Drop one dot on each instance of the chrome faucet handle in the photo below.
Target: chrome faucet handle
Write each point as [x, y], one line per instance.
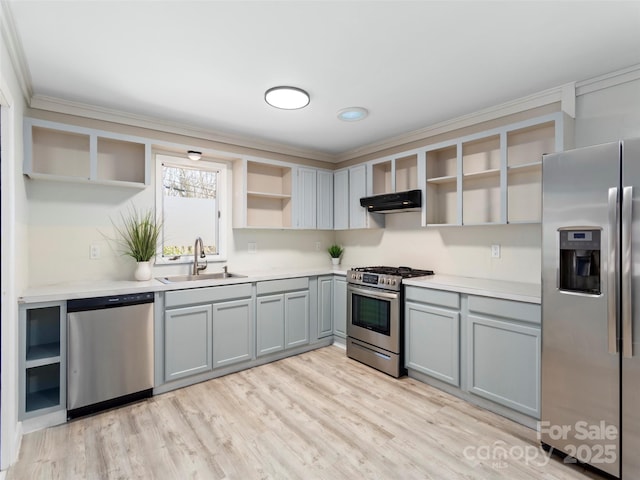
[224, 268]
[202, 267]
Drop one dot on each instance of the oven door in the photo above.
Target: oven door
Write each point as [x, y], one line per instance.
[373, 316]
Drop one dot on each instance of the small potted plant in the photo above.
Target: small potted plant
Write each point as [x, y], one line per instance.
[335, 252]
[139, 235]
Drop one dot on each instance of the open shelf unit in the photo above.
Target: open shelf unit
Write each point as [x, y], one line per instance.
[395, 174]
[42, 359]
[492, 177]
[442, 185]
[55, 151]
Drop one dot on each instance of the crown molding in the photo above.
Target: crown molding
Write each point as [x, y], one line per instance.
[535, 100]
[85, 110]
[14, 48]
[608, 80]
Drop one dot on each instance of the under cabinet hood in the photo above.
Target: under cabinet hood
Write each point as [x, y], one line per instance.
[409, 201]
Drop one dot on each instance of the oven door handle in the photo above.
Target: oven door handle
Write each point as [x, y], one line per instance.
[374, 294]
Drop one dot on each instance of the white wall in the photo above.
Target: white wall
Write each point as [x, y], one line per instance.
[14, 253]
[608, 114]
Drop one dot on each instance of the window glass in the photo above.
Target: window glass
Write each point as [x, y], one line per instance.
[191, 199]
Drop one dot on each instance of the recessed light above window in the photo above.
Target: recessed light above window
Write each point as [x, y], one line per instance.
[287, 98]
[352, 114]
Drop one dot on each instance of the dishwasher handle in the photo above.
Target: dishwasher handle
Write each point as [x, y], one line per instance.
[100, 303]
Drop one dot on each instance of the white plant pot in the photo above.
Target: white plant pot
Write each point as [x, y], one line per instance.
[335, 261]
[143, 271]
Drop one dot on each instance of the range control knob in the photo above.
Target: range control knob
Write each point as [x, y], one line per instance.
[393, 282]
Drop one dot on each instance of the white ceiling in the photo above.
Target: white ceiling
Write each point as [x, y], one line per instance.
[207, 64]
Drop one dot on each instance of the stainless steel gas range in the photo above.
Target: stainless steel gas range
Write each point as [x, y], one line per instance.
[375, 316]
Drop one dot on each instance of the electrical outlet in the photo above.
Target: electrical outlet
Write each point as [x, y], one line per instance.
[317, 246]
[94, 252]
[252, 247]
[495, 251]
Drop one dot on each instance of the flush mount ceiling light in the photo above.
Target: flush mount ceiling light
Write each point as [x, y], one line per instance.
[287, 98]
[193, 155]
[352, 114]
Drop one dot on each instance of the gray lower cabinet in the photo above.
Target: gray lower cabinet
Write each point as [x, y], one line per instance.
[188, 341]
[270, 324]
[340, 306]
[232, 332]
[504, 352]
[325, 306]
[296, 318]
[282, 314]
[432, 333]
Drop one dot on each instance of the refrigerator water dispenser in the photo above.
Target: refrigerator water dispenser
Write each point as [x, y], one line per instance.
[580, 261]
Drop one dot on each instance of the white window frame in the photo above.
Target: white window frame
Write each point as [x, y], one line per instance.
[224, 205]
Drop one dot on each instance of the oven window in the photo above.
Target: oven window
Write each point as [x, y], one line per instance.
[371, 313]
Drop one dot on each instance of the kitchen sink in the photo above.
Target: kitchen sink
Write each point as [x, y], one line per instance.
[202, 276]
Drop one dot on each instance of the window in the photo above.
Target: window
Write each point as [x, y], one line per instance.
[191, 197]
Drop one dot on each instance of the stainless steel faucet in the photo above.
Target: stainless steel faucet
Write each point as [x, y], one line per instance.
[198, 252]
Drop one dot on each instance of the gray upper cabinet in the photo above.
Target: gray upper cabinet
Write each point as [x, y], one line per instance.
[325, 200]
[357, 190]
[433, 333]
[306, 200]
[341, 200]
[232, 332]
[188, 341]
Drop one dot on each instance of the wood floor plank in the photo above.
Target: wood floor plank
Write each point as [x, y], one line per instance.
[315, 416]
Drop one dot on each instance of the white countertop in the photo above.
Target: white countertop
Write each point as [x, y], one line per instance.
[522, 292]
[518, 291]
[88, 288]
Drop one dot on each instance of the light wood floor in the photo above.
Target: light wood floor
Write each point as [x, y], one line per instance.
[318, 415]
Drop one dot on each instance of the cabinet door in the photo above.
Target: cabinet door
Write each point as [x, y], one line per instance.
[187, 341]
[296, 318]
[357, 190]
[340, 307]
[232, 332]
[325, 200]
[341, 200]
[432, 342]
[306, 208]
[504, 363]
[325, 306]
[270, 324]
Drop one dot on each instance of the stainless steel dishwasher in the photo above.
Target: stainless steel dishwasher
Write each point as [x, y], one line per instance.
[109, 352]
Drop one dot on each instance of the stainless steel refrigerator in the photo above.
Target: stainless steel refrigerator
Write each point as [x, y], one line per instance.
[591, 306]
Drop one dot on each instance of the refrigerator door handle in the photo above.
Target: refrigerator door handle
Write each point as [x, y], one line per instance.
[612, 337]
[627, 315]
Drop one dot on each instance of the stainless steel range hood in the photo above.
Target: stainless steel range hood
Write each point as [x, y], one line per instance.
[409, 201]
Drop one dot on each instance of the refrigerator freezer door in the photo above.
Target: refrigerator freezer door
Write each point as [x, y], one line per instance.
[631, 364]
[580, 377]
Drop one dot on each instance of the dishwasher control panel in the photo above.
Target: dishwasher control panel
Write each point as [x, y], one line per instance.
[81, 304]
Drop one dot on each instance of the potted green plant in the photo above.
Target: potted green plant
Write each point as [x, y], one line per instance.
[335, 252]
[139, 235]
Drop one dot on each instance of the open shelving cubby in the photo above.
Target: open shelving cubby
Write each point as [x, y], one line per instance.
[55, 151]
[407, 173]
[268, 195]
[381, 177]
[525, 147]
[42, 372]
[442, 186]
[481, 181]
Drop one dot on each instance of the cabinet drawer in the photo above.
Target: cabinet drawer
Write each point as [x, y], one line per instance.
[433, 297]
[285, 285]
[495, 307]
[206, 295]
